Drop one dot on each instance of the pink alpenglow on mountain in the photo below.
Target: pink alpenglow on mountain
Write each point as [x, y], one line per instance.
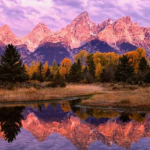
[118, 36]
[33, 39]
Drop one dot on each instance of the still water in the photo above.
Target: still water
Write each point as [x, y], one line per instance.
[66, 125]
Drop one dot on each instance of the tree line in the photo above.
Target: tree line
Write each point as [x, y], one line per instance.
[132, 67]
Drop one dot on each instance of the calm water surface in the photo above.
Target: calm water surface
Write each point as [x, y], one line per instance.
[68, 126]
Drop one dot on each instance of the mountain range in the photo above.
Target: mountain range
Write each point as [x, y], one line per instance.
[42, 44]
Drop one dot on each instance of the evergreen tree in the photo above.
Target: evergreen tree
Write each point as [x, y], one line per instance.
[48, 75]
[108, 73]
[76, 72]
[54, 69]
[11, 67]
[34, 76]
[40, 73]
[11, 122]
[124, 70]
[143, 65]
[58, 75]
[142, 70]
[91, 65]
[147, 77]
[87, 76]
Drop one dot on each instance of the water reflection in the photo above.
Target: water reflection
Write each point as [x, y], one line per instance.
[10, 122]
[81, 126]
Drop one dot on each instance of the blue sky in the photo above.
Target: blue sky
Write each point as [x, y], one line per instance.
[22, 15]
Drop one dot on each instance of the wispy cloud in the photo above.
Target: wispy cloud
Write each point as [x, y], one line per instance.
[23, 15]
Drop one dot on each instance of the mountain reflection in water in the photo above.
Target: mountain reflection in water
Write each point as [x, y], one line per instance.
[64, 125]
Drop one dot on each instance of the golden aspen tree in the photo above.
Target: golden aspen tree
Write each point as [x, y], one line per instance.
[99, 70]
[100, 58]
[65, 106]
[112, 58]
[54, 69]
[36, 66]
[135, 57]
[45, 67]
[63, 72]
[26, 68]
[66, 62]
[31, 68]
[82, 55]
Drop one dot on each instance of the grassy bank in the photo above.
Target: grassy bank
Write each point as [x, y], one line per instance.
[32, 94]
[121, 96]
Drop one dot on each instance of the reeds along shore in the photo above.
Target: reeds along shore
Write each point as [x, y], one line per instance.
[121, 96]
[33, 94]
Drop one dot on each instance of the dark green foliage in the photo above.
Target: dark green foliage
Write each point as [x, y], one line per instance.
[147, 77]
[87, 76]
[10, 120]
[57, 83]
[143, 65]
[91, 65]
[11, 67]
[34, 76]
[25, 75]
[40, 73]
[76, 72]
[124, 117]
[142, 70]
[108, 74]
[57, 75]
[124, 70]
[48, 75]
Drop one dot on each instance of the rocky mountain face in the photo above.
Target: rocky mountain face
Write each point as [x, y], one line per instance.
[117, 36]
[48, 52]
[124, 31]
[33, 39]
[8, 37]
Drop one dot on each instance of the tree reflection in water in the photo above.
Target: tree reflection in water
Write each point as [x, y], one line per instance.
[10, 122]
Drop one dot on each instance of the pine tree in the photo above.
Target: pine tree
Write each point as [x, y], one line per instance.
[48, 75]
[34, 76]
[124, 70]
[143, 65]
[11, 67]
[58, 75]
[54, 69]
[40, 73]
[143, 69]
[91, 65]
[76, 72]
[147, 77]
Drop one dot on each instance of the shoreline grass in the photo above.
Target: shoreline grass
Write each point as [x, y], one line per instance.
[32, 94]
[127, 96]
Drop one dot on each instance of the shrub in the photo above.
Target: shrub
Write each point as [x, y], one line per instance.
[147, 78]
[57, 83]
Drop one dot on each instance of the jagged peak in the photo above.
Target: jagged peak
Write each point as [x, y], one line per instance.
[5, 27]
[41, 24]
[83, 15]
[108, 21]
[126, 19]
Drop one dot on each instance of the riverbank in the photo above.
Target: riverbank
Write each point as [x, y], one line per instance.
[123, 96]
[32, 94]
